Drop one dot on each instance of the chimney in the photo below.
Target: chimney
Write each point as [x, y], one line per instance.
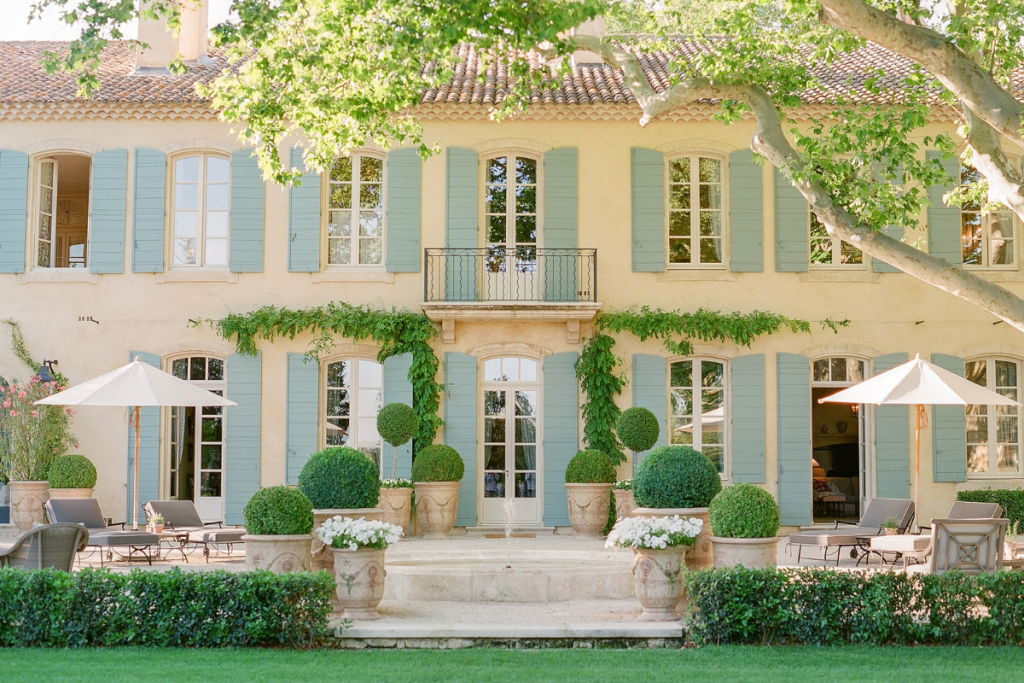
[164, 46]
[593, 27]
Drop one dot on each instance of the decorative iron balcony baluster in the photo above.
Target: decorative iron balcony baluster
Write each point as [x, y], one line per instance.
[510, 275]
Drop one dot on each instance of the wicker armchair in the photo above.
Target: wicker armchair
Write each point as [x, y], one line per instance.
[50, 545]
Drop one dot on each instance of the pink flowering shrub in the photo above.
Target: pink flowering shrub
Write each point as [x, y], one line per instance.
[31, 436]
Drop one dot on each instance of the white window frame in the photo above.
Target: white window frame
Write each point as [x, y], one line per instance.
[357, 412]
[696, 387]
[354, 209]
[201, 228]
[986, 231]
[35, 213]
[695, 183]
[510, 204]
[836, 250]
[992, 424]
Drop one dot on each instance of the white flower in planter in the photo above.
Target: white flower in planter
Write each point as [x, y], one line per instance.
[352, 534]
[654, 533]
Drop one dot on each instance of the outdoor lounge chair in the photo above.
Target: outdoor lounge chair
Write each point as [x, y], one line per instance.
[973, 546]
[879, 510]
[46, 546]
[963, 509]
[87, 512]
[181, 516]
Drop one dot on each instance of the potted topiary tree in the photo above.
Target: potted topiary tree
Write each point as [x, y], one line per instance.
[278, 521]
[437, 471]
[744, 521]
[397, 424]
[638, 431]
[358, 547]
[677, 480]
[71, 476]
[588, 483]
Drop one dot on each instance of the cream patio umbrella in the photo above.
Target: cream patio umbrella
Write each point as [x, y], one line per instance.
[918, 383]
[134, 386]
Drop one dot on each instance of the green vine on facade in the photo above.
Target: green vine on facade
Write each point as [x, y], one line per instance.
[394, 331]
[21, 351]
[596, 366]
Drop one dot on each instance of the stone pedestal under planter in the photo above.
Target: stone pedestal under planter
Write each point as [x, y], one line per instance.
[70, 493]
[359, 575]
[396, 508]
[279, 554]
[700, 556]
[27, 501]
[436, 505]
[588, 508]
[658, 581]
[623, 503]
[324, 559]
[747, 552]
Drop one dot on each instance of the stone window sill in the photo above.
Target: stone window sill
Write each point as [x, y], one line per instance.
[997, 275]
[70, 275]
[353, 275]
[696, 274]
[197, 275]
[837, 275]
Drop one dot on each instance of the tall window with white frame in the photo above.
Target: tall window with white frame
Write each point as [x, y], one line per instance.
[993, 432]
[695, 211]
[510, 206]
[698, 407]
[831, 251]
[200, 224]
[986, 237]
[353, 397]
[61, 223]
[355, 218]
[197, 439]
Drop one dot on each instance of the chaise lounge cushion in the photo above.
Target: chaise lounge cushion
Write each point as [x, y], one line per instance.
[122, 538]
[87, 512]
[216, 536]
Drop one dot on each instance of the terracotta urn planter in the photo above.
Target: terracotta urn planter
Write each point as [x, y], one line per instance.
[436, 504]
[279, 554]
[396, 508]
[321, 557]
[700, 556]
[359, 575]
[658, 581]
[70, 493]
[588, 508]
[623, 503]
[27, 501]
[745, 552]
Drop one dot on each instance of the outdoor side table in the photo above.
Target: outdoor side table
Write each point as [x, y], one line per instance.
[175, 541]
[901, 544]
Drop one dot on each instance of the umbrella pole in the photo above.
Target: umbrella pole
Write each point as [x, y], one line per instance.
[920, 423]
[135, 478]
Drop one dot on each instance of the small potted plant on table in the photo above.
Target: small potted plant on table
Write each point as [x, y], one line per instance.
[890, 526]
[358, 547]
[437, 472]
[156, 522]
[71, 476]
[588, 483]
[744, 521]
[397, 424]
[277, 524]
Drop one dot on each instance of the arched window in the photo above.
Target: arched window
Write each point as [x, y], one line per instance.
[698, 410]
[199, 227]
[355, 211]
[353, 395]
[695, 218]
[511, 411]
[838, 369]
[993, 432]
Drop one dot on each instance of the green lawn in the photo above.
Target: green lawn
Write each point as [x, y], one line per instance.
[708, 665]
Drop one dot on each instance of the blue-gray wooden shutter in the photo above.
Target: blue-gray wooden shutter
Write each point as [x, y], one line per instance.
[398, 389]
[648, 195]
[879, 266]
[944, 238]
[13, 210]
[108, 212]
[747, 416]
[461, 225]
[248, 201]
[149, 448]
[242, 438]
[302, 433]
[650, 389]
[793, 386]
[403, 211]
[561, 432]
[304, 220]
[561, 202]
[792, 229]
[949, 431]
[746, 217]
[892, 440]
[149, 213]
[460, 427]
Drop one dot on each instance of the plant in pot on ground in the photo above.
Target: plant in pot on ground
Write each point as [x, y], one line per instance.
[71, 476]
[358, 547]
[397, 423]
[678, 480]
[278, 521]
[744, 521]
[588, 482]
[622, 491]
[437, 471]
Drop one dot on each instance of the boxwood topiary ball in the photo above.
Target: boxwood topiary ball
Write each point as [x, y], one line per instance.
[590, 467]
[637, 429]
[72, 472]
[340, 477]
[438, 463]
[278, 511]
[675, 477]
[744, 511]
[397, 423]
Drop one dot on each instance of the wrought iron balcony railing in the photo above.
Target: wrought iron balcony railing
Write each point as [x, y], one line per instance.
[510, 274]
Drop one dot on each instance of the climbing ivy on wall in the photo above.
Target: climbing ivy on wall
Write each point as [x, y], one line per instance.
[394, 331]
[596, 366]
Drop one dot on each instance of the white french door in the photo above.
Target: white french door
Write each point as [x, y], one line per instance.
[510, 262]
[197, 440]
